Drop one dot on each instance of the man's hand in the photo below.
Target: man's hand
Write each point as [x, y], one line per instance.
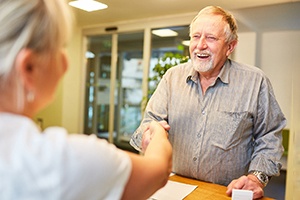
[249, 182]
[147, 135]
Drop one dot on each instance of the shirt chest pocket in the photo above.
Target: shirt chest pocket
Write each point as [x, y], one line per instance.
[227, 129]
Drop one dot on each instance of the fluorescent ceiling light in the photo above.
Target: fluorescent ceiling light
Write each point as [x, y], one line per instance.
[88, 5]
[89, 54]
[186, 42]
[164, 33]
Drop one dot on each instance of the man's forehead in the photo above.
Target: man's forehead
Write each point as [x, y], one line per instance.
[208, 22]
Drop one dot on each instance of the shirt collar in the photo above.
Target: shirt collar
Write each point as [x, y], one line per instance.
[192, 75]
[223, 75]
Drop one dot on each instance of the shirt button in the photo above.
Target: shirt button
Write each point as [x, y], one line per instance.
[203, 112]
[195, 158]
[199, 135]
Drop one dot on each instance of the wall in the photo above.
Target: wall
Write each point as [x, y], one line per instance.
[52, 114]
[293, 186]
[73, 86]
[245, 51]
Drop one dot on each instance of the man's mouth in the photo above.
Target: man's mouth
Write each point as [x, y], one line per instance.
[202, 55]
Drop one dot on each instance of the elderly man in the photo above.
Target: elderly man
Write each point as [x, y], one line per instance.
[225, 123]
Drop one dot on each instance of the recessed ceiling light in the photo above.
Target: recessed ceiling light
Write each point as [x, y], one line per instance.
[186, 42]
[164, 33]
[89, 54]
[88, 5]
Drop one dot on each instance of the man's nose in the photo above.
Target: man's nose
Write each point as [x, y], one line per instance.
[202, 43]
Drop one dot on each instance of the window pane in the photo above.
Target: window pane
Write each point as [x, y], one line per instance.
[171, 47]
[97, 101]
[130, 74]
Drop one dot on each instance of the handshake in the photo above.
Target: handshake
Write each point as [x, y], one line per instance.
[149, 131]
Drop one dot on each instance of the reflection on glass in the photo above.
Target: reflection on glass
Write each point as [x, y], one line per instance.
[130, 74]
[128, 91]
[97, 102]
[174, 44]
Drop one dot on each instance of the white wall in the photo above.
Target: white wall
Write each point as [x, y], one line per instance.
[245, 51]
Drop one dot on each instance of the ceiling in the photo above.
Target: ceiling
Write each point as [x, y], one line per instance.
[250, 14]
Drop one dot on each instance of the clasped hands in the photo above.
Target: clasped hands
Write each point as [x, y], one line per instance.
[249, 182]
[147, 134]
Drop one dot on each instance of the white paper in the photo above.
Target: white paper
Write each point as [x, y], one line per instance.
[242, 194]
[173, 191]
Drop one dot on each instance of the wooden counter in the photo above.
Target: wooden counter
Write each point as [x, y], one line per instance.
[205, 191]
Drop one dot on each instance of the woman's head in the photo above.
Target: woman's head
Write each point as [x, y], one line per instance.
[39, 26]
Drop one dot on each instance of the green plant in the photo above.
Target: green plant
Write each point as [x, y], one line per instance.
[166, 62]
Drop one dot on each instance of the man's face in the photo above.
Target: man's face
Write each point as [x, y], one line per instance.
[208, 47]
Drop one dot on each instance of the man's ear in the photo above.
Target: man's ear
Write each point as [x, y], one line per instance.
[24, 66]
[231, 47]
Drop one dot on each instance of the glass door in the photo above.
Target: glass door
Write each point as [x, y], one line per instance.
[129, 77]
[114, 114]
[98, 65]
[167, 51]
[117, 64]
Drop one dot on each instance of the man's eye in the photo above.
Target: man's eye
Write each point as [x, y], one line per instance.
[211, 38]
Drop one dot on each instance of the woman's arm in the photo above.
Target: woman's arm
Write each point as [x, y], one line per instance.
[151, 171]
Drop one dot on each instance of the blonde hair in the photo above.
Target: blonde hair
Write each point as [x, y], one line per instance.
[43, 26]
[231, 30]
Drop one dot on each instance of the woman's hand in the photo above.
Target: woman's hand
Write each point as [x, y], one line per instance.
[149, 131]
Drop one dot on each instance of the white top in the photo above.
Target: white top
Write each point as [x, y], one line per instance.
[56, 165]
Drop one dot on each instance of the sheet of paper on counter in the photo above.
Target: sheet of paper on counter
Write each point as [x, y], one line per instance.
[173, 191]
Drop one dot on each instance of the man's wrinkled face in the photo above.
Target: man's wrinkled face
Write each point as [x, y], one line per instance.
[208, 47]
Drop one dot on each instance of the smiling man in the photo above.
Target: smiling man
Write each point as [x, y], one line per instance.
[225, 123]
